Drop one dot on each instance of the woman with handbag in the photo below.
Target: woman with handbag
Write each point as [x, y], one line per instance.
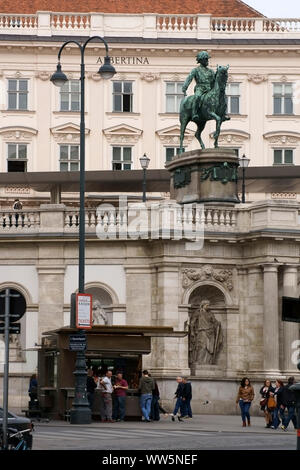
[267, 401]
[244, 399]
[279, 404]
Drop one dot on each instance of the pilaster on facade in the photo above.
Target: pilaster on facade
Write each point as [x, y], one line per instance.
[271, 318]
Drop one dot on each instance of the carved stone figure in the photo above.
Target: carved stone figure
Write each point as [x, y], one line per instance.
[205, 336]
[99, 314]
[208, 101]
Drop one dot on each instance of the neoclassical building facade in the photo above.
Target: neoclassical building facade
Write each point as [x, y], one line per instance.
[250, 256]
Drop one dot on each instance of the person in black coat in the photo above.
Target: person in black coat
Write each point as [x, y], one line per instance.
[187, 397]
[90, 387]
[179, 402]
[289, 402]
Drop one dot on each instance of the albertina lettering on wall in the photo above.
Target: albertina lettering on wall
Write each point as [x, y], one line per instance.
[125, 60]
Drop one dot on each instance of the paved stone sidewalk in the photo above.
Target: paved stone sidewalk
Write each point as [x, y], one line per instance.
[209, 423]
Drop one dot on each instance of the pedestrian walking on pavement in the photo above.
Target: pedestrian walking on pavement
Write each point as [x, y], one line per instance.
[279, 410]
[244, 398]
[154, 415]
[289, 402]
[146, 386]
[266, 391]
[90, 387]
[120, 388]
[107, 390]
[186, 398]
[179, 405]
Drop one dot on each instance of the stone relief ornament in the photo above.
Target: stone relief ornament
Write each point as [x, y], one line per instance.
[94, 76]
[149, 77]
[257, 78]
[43, 75]
[205, 336]
[223, 172]
[207, 272]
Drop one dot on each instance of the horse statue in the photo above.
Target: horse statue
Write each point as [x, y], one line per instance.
[213, 106]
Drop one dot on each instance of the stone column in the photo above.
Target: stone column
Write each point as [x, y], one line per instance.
[138, 295]
[170, 358]
[51, 298]
[242, 337]
[271, 319]
[290, 330]
[254, 321]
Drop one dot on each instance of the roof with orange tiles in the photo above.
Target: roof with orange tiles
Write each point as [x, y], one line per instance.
[217, 8]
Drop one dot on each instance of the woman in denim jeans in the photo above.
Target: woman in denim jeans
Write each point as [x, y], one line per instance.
[244, 399]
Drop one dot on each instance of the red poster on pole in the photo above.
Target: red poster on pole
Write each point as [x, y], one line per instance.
[84, 311]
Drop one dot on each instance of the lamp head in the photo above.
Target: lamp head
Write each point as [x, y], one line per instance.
[107, 70]
[144, 161]
[244, 162]
[58, 78]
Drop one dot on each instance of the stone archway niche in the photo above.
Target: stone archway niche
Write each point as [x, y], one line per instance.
[207, 330]
[102, 306]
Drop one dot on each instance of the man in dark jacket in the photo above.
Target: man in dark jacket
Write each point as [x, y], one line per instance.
[289, 401]
[186, 398]
[90, 387]
[146, 386]
[179, 403]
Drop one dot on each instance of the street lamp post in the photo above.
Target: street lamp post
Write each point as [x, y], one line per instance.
[144, 161]
[81, 413]
[244, 162]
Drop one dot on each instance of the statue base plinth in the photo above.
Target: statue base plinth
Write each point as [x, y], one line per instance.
[204, 176]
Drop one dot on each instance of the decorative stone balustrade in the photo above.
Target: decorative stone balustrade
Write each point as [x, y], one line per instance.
[67, 22]
[19, 221]
[147, 25]
[233, 25]
[164, 220]
[16, 24]
[176, 23]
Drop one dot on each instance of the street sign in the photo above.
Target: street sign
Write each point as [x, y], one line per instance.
[84, 311]
[14, 329]
[17, 305]
[77, 343]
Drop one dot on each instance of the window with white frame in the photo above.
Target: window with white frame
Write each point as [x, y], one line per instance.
[174, 95]
[122, 96]
[69, 157]
[17, 94]
[283, 98]
[70, 96]
[16, 157]
[171, 151]
[233, 98]
[283, 157]
[121, 158]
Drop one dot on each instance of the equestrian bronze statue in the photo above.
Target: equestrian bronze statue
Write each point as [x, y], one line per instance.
[208, 102]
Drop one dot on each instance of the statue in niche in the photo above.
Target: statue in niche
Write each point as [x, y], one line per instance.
[205, 336]
[15, 348]
[99, 314]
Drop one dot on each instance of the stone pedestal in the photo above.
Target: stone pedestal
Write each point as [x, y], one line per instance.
[205, 176]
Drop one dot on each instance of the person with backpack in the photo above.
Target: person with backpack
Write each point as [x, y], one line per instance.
[289, 402]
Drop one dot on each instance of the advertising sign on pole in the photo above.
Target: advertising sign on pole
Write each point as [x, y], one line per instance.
[84, 311]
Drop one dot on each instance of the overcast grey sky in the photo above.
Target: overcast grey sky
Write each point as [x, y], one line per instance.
[277, 8]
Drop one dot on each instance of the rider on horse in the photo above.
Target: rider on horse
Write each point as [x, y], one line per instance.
[205, 80]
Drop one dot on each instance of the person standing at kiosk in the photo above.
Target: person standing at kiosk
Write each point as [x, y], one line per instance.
[107, 390]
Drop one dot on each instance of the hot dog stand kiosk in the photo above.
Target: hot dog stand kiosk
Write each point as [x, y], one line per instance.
[118, 348]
